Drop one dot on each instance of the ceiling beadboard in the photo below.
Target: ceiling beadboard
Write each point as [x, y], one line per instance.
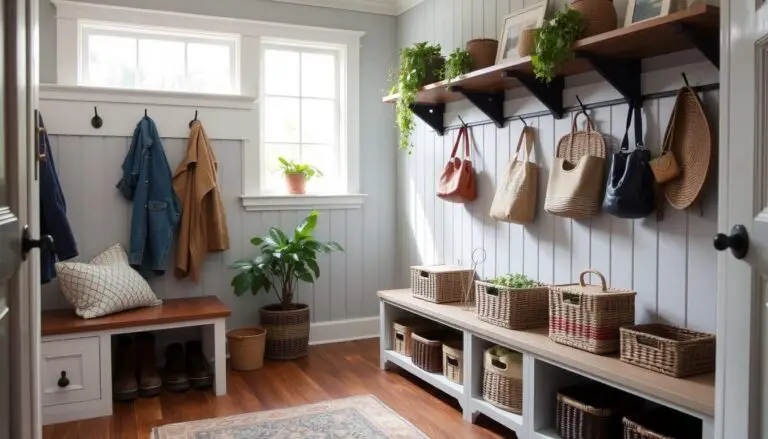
[387, 7]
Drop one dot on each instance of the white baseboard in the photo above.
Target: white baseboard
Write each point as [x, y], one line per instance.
[344, 330]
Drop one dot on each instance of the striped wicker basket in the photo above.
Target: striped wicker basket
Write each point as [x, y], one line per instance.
[512, 308]
[402, 330]
[503, 382]
[427, 351]
[667, 349]
[287, 331]
[661, 423]
[588, 317]
[441, 283]
[453, 359]
[592, 411]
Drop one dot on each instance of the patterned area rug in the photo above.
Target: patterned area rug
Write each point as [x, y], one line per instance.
[359, 417]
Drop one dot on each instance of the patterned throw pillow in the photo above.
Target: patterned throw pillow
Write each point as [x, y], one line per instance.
[105, 286]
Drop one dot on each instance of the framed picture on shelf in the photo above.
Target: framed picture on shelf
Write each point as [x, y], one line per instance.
[641, 10]
[515, 23]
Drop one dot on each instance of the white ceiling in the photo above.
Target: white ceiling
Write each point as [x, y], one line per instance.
[387, 7]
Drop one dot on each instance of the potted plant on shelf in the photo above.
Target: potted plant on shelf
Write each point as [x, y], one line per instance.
[553, 42]
[283, 263]
[297, 175]
[419, 65]
[458, 63]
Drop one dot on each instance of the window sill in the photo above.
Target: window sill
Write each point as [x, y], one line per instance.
[260, 203]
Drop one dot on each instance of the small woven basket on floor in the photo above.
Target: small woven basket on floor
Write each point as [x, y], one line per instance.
[453, 359]
[503, 382]
[512, 308]
[661, 423]
[588, 317]
[287, 331]
[427, 351]
[667, 349]
[592, 411]
[440, 283]
[402, 330]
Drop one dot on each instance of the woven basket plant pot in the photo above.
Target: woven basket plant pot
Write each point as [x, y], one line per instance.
[483, 52]
[599, 16]
[512, 308]
[287, 331]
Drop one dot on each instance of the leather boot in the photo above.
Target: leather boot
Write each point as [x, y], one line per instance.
[198, 369]
[150, 383]
[124, 385]
[175, 376]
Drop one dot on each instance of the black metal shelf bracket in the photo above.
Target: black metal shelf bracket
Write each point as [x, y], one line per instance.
[708, 45]
[623, 75]
[432, 115]
[551, 95]
[490, 103]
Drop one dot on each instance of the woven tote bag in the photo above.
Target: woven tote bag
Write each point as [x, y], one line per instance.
[578, 173]
[515, 199]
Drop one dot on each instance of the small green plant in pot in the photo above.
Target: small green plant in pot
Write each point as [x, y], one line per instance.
[297, 175]
[553, 42]
[419, 65]
[458, 63]
[283, 262]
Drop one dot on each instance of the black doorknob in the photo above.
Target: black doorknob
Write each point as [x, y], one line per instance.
[45, 243]
[737, 241]
[63, 381]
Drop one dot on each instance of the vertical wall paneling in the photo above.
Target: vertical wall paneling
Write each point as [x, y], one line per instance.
[502, 255]
[543, 152]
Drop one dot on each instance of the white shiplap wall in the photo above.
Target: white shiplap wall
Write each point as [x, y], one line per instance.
[89, 168]
[671, 263]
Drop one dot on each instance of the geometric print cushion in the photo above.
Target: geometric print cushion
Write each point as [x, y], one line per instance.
[108, 284]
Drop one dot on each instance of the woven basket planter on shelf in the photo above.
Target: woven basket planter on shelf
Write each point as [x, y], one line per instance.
[661, 423]
[667, 349]
[588, 317]
[427, 352]
[599, 16]
[287, 331]
[592, 411]
[453, 359]
[503, 381]
[441, 283]
[512, 308]
[483, 52]
[402, 330]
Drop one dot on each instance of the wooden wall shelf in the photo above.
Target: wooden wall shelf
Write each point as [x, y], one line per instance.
[695, 27]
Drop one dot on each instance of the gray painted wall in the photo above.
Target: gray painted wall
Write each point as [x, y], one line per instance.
[89, 168]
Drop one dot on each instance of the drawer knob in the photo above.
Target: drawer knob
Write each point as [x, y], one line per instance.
[63, 381]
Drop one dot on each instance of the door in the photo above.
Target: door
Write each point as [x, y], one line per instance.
[742, 317]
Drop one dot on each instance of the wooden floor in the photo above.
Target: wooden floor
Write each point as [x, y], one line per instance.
[331, 371]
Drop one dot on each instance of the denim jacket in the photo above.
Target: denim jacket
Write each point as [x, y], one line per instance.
[147, 181]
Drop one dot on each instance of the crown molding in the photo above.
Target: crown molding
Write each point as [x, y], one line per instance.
[385, 7]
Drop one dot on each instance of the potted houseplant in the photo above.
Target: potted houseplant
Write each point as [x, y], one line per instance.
[458, 63]
[297, 175]
[553, 42]
[283, 262]
[419, 65]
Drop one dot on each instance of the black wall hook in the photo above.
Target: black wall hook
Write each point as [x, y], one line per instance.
[464, 124]
[193, 120]
[96, 121]
[685, 79]
[523, 121]
[145, 112]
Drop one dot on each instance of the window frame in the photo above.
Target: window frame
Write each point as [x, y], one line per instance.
[338, 142]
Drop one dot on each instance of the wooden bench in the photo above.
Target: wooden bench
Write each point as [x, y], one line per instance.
[83, 350]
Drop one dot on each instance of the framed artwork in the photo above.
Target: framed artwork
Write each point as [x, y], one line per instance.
[514, 24]
[641, 10]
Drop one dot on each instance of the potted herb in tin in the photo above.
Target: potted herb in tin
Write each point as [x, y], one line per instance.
[297, 175]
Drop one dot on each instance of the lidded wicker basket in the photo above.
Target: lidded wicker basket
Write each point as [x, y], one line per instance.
[588, 317]
[441, 283]
[503, 379]
[512, 308]
[673, 351]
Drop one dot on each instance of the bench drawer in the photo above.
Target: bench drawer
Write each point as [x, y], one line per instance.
[79, 359]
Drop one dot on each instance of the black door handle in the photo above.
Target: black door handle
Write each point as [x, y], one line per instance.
[737, 241]
[45, 243]
[63, 381]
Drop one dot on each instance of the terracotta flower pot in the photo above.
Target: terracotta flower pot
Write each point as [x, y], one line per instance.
[527, 42]
[287, 331]
[599, 16]
[483, 52]
[296, 183]
[246, 348]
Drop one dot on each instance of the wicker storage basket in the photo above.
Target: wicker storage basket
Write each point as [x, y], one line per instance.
[441, 283]
[512, 308]
[672, 351]
[588, 317]
[402, 331]
[427, 350]
[661, 423]
[503, 381]
[287, 331]
[483, 52]
[453, 359]
[592, 411]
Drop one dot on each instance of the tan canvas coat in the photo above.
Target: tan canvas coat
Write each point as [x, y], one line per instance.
[203, 226]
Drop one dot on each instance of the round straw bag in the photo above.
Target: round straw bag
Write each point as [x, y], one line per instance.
[691, 143]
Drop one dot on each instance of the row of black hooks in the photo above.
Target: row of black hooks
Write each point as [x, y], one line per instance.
[97, 122]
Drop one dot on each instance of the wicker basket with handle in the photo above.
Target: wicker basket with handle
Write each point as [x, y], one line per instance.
[512, 308]
[661, 423]
[588, 317]
[592, 411]
[453, 359]
[427, 350]
[402, 331]
[503, 380]
[440, 283]
[673, 351]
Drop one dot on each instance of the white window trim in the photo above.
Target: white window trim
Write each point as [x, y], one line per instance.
[251, 34]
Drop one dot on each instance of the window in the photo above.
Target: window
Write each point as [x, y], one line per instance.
[301, 115]
[155, 59]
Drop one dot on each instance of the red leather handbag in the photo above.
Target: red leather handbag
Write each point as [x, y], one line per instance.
[458, 183]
